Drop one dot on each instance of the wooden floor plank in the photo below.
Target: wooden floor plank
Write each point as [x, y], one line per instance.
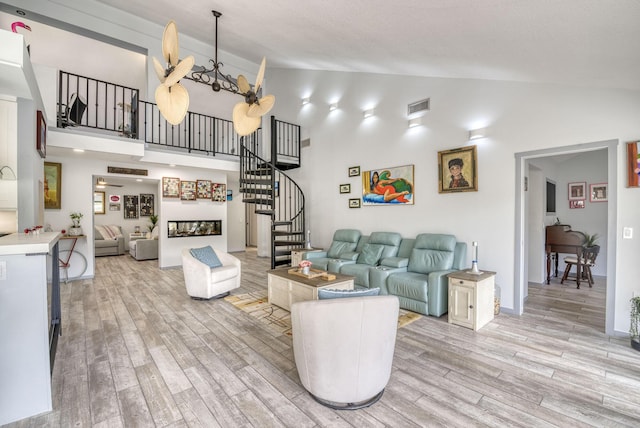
[136, 350]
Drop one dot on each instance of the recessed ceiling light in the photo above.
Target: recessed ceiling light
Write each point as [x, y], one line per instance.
[78, 150]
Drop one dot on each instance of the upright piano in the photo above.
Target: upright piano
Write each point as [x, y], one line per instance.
[561, 239]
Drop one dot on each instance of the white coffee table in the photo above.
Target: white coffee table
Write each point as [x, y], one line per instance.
[285, 289]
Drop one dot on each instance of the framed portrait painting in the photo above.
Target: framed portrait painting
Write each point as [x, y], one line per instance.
[458, 170]
[388, 186]
[52, 185]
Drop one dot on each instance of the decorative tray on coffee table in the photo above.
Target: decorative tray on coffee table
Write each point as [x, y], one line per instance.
[313, 273]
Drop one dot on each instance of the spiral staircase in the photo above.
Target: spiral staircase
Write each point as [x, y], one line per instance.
[266, 186]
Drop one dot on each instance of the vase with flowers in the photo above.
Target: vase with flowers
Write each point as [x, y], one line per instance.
[304, 267]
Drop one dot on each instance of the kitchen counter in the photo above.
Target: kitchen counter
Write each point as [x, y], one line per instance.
[29, 323]
[22, 243]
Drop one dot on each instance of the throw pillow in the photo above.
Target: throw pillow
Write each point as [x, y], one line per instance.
[207, 256]
[370, 254]
[324, 293]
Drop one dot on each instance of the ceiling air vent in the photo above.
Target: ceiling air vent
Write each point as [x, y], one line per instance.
[419, 106]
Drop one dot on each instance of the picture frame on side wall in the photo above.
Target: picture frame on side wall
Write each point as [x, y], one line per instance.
[354, 203]
[388, 186]
[146, 204]
[598, 192]
[633, 164]
[41, 134]
[576, 204]
[345, 188]
[52, 185]
[218, 192]
[130, 207]
[354, 171]
[204, 189]
[577, 191]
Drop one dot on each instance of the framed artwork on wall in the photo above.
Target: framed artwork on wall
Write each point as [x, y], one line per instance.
[218, 192]
[204, 189]
[52, 185]
[633, 164]
[576, 204]
[577, 191]
[354, 203]
[146, 204]
[130, 206]
[98, 202]
[354, 171]
[458, 170]
[170, 187]
[388, 186]
[598, 192]
[41, 135]
[188, 190]
[345, 188]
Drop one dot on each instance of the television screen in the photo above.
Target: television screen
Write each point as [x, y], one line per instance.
[551, 197]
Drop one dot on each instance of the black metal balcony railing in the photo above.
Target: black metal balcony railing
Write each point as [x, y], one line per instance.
[118, 110]
[93, 103]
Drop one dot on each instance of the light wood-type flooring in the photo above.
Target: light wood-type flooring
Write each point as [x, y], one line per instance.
[136, 351]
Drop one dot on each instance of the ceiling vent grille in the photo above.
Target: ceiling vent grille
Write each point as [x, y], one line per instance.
[419, 107]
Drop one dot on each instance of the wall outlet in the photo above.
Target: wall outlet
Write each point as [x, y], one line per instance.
[627, 232]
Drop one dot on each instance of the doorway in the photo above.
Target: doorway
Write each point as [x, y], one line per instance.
[523, 221]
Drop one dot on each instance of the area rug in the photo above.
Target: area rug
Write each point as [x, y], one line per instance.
[257, 305]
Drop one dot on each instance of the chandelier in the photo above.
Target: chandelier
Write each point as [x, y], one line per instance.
[213, 76]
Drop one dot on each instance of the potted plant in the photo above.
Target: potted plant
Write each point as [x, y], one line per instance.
[153, 218]
[590, 240]
[634, 325]
[75, 229]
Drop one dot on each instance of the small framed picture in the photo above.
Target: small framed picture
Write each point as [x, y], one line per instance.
[170, 187]
[354, 203]
[204, 189]
[41, 135]
[598, 192]
[354, 171]
[345, 188]
[577, 191]
[576, 204]
[187, 190]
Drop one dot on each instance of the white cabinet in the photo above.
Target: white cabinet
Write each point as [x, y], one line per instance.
[296, 255]
[471, 298]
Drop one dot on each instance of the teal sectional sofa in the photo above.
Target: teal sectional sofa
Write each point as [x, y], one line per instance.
[413, 269]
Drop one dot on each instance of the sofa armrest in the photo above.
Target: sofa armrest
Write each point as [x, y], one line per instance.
[146, 249]
[378, 277]
[310, 255]
[438, 289]
[395, 262]
[336, 264]
[120, 245]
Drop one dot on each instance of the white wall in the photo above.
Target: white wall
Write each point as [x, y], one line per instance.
[519, 117]
[78, 173]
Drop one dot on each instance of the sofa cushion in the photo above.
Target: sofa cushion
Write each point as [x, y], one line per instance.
[338, 247]
[207, 256]
[408, 284]
[370, 254]
[324, 293]
[432, 252]
[112, 232]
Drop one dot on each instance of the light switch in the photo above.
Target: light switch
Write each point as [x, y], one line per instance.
[627, 232]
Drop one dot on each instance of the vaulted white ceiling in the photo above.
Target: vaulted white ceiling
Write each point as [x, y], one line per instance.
[582, 42]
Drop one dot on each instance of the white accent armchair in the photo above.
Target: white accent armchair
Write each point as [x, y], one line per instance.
[343, 348]
[203, 282]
